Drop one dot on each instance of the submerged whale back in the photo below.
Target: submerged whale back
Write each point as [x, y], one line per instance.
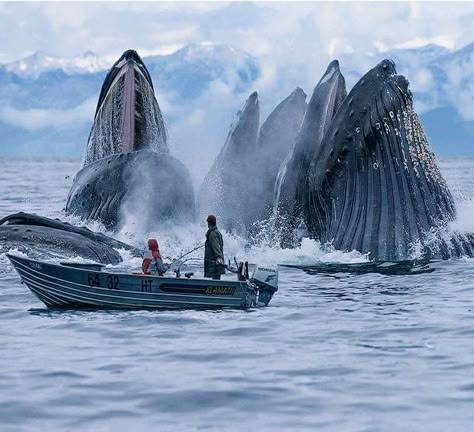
[374, 184]
[128, 116]
[43, 237]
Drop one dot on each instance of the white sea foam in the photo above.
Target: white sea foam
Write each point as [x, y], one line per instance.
[465, 217]
[176, 241]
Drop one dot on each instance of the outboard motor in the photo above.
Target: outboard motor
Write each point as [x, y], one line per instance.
[266, 279]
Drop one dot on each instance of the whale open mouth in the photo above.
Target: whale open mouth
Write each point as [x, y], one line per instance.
[128, 117]
[128, 170]
[374, 184]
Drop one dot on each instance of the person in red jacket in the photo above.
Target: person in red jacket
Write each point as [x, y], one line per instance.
[152, 262]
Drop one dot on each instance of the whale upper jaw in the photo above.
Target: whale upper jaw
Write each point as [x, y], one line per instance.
[291, 181]
[128, 117]
[129, 59]
[224, 186]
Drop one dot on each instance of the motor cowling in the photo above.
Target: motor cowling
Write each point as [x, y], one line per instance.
[266, 279]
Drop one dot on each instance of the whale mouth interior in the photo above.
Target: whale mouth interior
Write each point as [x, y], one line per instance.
[128, 57]
[128, 117]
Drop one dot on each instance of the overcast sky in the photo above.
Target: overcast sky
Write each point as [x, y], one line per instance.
[290, 30]
[292, 40]
[297, 39]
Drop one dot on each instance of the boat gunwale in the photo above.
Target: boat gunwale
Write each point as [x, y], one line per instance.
[45, 287]
[238, 284]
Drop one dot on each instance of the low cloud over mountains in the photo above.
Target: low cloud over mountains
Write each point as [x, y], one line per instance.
[47, 103]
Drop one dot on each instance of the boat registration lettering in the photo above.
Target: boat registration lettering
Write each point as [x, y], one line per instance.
[93, 279]
[113, 282]
[220, 290]
[146, 285]
[36, 266]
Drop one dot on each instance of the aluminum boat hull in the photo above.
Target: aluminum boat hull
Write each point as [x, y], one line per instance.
[70, 286]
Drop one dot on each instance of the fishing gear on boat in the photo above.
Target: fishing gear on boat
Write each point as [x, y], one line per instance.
[241, 268]
[182, 256]
[177, 271]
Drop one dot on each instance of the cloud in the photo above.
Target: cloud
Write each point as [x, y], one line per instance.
[282, 29]
[201, 126]
[422, 80]
[38, 119]
[104, 27]
[446, 41]
[294, 42]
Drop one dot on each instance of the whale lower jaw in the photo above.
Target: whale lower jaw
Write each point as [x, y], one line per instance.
[382, 197]
[374, 185]
[290, 186]
[149, 187]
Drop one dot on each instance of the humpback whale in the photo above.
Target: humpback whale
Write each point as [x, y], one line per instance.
[373, 183]
[276, 137]
[226, 186]
[37, 235]
[355, 169]
[239, 186]
[128, 172]
[128, 175]
[291, 181]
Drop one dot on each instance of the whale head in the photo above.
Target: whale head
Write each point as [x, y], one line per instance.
[374, 184]
[290, 187]
[128, 173]
[128, 117]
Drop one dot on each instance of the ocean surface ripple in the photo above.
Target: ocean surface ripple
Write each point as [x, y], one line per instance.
[335, 352]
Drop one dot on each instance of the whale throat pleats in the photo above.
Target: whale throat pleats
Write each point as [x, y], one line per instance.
[374, 185]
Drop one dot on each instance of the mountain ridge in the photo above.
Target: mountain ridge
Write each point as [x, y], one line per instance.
[201, 85]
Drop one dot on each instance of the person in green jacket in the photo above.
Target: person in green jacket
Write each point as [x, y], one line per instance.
[214, 265]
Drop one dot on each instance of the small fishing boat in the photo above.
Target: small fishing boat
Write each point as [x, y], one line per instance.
[81, 285]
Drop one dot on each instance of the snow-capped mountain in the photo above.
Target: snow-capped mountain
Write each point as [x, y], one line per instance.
[47, 102]
[442, 83]
[189, 70]
[40, 62]
[44, 81]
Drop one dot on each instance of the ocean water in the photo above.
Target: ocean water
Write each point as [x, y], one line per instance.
[332, 352]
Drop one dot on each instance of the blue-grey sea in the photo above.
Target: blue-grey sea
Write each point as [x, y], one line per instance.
[333, 352]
